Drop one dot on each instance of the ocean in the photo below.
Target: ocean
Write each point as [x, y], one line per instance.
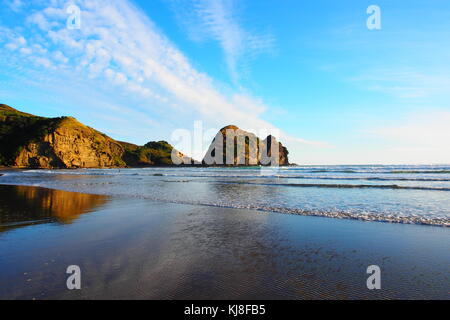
[410, 194]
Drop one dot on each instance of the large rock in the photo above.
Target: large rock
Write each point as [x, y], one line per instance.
[235, 147]
[270, 144]
[29, 141]
[159, 153]
[71, 144]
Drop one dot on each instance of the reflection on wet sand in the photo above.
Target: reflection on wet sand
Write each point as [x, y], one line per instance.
[134, 248]
[21, 206]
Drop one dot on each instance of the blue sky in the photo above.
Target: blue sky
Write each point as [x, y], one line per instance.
[334, 91]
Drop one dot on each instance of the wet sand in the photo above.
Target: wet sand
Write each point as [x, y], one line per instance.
[140, 249]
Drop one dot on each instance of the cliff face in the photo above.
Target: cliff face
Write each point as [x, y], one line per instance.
[153, 153]
[71, 145]
[269, 145]
[233, 147]
[30, 141]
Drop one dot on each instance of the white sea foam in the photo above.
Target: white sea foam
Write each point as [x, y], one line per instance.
[369, 193]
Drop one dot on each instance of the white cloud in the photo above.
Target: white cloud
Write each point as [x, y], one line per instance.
[43, 62]
[60, 57]
[420, 138]
[26, 51]
[120, 52]
[15, 5]
[16, 43]
[39, 20]
[404, 83]
[218, 20]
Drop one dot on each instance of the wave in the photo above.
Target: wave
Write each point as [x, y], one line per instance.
[374, 217]
[383, 172]
[336, 214]
[422, 171]
[342, 186]
[203, 174]
[327, 213]
[367, 178]
[213, 170]
[335, 171]
[311, 177]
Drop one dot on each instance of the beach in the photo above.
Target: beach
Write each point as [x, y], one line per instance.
[137, 248]
[225, 150]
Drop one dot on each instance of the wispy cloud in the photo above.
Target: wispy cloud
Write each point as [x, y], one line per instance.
[219, 20]
[15, 5]
[405, 83]
[121, 63]
[422, 137]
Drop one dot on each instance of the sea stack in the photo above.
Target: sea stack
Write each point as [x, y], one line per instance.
[233, 146]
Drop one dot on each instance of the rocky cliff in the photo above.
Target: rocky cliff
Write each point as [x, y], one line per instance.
[71, 144]
[235, 147]
[30, 141]
[153, 153]
[269, 145]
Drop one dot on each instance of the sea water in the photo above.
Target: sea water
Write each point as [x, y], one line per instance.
[415, 194]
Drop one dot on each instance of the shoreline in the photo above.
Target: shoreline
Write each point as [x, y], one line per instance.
[413, 199]
[435, 222]
[153, 166]
[142, 249]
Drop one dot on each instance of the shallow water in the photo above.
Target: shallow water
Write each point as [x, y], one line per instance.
[404, 194]
[140, 249]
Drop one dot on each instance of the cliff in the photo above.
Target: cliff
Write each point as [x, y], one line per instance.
[29, 141]
[269, 145]
[153, 153]
[235, 147]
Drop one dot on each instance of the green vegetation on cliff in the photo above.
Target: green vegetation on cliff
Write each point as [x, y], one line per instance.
[153, 153]
[17, 129]
[27, 140]
[31, 141]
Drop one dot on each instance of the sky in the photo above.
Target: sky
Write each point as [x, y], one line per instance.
[333, 90]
